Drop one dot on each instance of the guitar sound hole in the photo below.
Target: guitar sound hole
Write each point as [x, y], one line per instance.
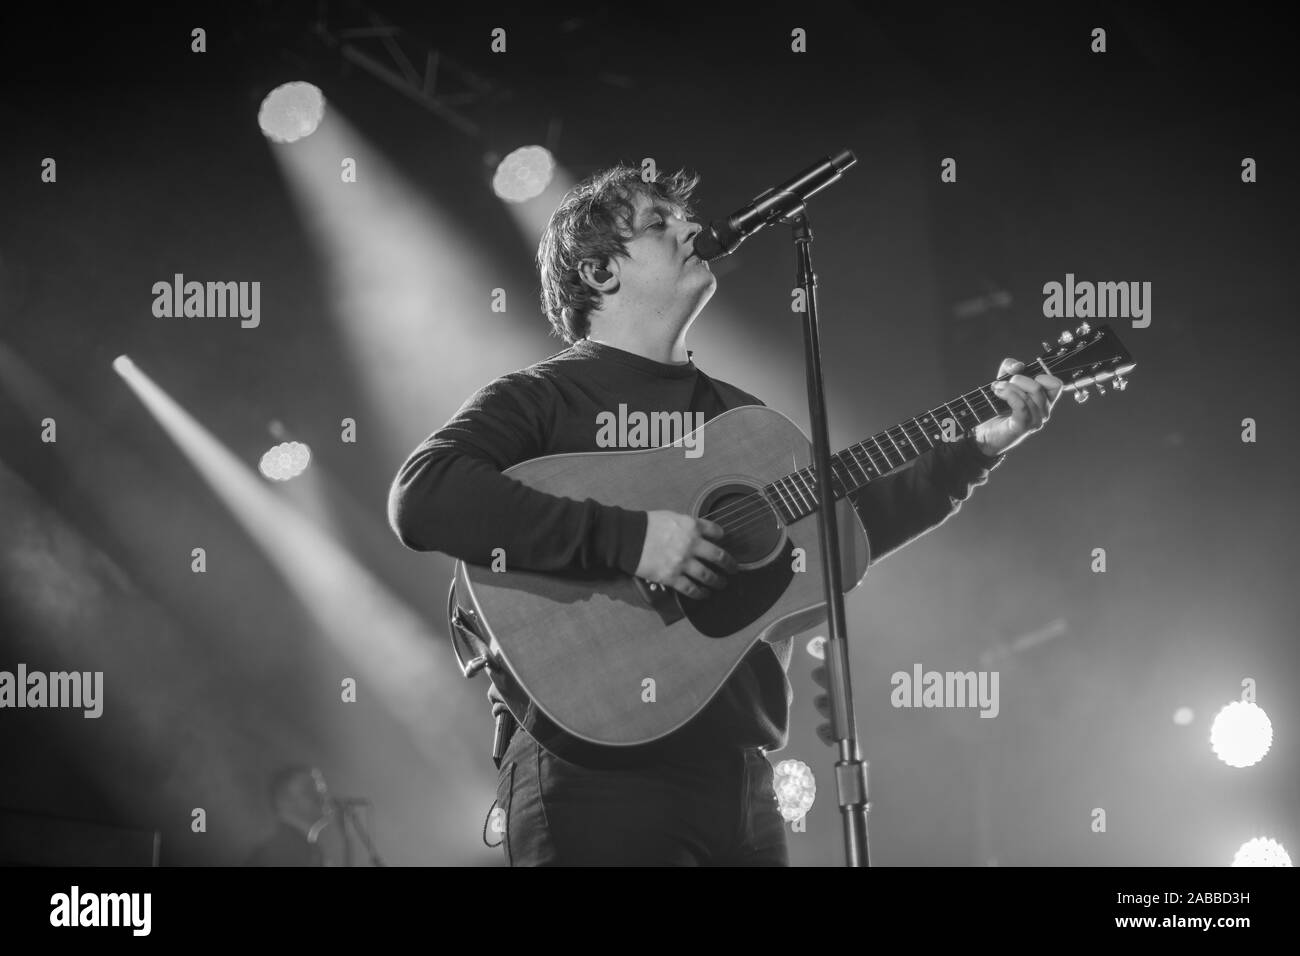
[753, 530]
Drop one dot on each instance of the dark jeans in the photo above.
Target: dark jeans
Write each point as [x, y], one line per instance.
[685, 811]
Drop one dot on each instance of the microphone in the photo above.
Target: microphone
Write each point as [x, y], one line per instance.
[723, 236]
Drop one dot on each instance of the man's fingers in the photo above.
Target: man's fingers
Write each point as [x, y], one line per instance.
[1053, 385]
[822, 704]
[710, 529]
[1011, 395]
[1008, 366]
[714, 555]
[699, 572]
[1023, 408]
[1034, 392]
[685, 585]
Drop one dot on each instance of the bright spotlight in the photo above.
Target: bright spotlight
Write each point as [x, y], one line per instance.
[291, 112]
[284, 461]
[1261, 851]
[795, 787]
[1241, 734]
[524, 174]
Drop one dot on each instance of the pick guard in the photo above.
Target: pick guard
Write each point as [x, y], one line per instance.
[746, 598]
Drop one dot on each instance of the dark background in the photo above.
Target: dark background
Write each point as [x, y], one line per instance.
[1123, 166]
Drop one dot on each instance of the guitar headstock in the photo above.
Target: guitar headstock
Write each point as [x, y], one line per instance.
[1087, 357]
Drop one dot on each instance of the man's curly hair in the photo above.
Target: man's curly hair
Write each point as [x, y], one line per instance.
[593, 222]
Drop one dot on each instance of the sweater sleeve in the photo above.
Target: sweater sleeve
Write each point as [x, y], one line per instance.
[899, 508]
[451, 496]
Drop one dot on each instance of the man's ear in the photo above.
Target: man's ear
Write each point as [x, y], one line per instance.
[596, 275]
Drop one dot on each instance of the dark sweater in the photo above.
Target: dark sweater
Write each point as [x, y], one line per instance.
[450, 496]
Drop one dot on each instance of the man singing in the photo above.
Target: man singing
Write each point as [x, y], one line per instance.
[621, 285]
[307, 822]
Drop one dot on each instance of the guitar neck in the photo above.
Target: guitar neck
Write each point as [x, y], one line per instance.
[860, 464]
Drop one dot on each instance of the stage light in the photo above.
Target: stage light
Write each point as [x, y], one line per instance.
[1241, 734]
[291, 112]
[1261, 851]
[795, 787]
[524, 174]
[284, 461]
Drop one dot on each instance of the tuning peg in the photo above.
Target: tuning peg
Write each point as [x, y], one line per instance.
[1120, 383]
[1083, 329]
[1100, 389]
[1066, 338]
[1047, 347]
[1081, 395]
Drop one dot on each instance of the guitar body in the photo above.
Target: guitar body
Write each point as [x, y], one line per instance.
[585, 647]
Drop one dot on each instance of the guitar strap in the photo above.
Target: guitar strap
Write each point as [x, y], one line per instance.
[472, 656]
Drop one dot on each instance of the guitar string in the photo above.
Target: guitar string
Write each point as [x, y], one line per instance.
[758, 508]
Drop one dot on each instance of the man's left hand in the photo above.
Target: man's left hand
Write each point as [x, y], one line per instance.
[1031, 401]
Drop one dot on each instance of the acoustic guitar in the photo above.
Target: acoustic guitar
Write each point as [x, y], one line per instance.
[618, 662]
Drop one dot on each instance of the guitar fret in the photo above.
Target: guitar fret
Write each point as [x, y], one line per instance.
[815, 488]
[844, 485]
[971, 407]
[871, 459]
[909, 439]
[810, 486]
[991, 399]
[883, 454]
[896, 448]
[787, 497]
[923, 428]
[871, 462]
[795, 485]
[773, 503]
[951, 414]
[788, 507]
[852, 484]
[853, 457]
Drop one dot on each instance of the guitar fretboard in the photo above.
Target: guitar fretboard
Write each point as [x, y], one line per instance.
[795, 496]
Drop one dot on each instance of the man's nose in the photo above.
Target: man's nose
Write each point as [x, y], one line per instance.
[693, 229]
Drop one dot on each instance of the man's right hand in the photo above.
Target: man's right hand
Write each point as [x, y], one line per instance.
[676, 547]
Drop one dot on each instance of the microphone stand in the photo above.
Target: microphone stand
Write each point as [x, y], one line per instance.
[850, 770]
[350, 814]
